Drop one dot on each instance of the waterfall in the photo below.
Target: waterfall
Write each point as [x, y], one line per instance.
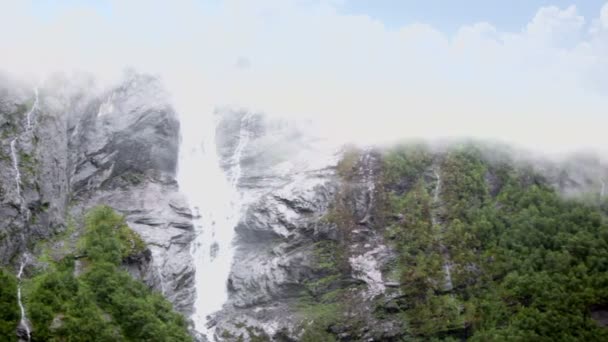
[367, 161]
[215, 202]
[603, 190]
[32, 110]
[447, 266]
[23, 323]
[14, 157]
[437, 187]
[15, 160]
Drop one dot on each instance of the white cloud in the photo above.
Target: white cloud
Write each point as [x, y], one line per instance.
[604, 16]
[553, 25]
[545, 85]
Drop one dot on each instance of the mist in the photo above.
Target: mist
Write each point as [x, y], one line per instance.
[543, 87]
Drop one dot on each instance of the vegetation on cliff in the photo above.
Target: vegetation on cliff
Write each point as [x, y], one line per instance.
[526, 264]
[9, 313]
[96, 300]
[486, 250]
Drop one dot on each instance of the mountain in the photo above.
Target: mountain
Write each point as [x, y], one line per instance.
[249, 227]
[67, 148]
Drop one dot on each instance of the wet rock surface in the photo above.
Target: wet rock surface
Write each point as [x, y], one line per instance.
[290, 183]
[124, 151]
[86, 147]
[285, 197]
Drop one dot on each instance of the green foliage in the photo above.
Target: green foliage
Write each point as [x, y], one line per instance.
[527, 264]
[406, 163]
[325, 299]
[108, 238]
[327, 256]
[347, 164]
[464, 186]
[104, 303]
[321, 303]
[316, 332]
[9, 313]
[417, 240]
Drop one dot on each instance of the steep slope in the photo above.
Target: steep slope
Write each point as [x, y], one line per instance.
[292, 237]
[413, 242]
[67, 147]
[123, 152]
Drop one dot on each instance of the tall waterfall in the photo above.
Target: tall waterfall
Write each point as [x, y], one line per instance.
[23, 323]
[215, 202]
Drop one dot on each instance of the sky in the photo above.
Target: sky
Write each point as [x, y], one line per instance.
[449, 16]
[534, 73]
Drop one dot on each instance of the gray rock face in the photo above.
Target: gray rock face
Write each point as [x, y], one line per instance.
[286, 192]
[289, 184]
[34, 208]
[123, 152]
[86, 148]
[120, 147]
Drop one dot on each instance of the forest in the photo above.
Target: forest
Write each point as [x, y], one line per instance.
[486, 250]
[524, 263]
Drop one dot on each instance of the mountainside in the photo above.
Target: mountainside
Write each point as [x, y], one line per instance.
[459, 241]
[67, 148]
[455, 241]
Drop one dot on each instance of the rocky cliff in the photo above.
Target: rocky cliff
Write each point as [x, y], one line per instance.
[317, 251]
[332, 242]
[77, 147]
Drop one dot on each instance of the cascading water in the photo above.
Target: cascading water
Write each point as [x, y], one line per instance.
[215, 202]
[447, 266]
[23, 323]
[603, 190]
[14, 157]
[15, 160]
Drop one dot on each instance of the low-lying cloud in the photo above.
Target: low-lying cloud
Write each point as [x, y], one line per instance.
[545, 85]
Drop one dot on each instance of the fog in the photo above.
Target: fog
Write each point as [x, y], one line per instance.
[543, 87]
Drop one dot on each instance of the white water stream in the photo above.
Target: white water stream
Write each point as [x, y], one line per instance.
[23, 322]
[215, 202]
[15, 160]
[14, 156]
[447, 267]
[603, 190]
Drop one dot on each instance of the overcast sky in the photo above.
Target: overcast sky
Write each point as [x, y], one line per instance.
[530, 72]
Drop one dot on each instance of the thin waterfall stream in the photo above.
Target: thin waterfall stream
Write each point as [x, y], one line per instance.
[15, 160]
[447, 267]
[23, 323]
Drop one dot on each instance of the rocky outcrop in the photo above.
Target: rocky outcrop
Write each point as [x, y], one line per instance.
[117, 147]
[285, 196]
[123, 152]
